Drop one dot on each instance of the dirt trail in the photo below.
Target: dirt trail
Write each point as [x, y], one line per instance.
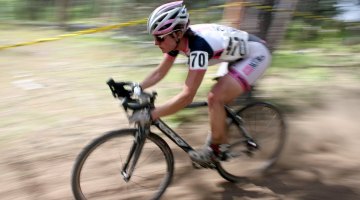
[44, 128]
[320, 160]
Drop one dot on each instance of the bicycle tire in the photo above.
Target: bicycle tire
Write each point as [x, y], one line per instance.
[238, 168]
[112, 190]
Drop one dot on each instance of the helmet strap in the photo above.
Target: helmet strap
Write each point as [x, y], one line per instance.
[177, 40]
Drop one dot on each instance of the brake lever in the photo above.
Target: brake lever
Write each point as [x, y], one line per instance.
[111, 84]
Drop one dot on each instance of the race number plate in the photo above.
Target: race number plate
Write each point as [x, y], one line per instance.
[198, 60]
[235, 45]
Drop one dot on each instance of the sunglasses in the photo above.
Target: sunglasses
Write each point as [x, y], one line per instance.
[161, 38]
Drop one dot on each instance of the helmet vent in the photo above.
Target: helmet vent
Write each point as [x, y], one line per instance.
[165, 27]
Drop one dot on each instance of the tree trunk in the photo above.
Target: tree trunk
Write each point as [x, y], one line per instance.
[268, 25]
[33, 10]
[233, 13]
[280, 21]
[62, 6]
[265, 18]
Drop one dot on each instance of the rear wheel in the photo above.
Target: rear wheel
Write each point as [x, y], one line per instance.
[97, 173]
[266, 126]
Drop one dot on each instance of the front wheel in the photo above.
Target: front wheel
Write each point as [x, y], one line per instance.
[97, 173]
[265, 125]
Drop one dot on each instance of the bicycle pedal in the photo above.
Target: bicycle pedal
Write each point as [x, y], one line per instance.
[251, 144]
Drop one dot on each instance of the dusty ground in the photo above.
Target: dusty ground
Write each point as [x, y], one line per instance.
[54, 101]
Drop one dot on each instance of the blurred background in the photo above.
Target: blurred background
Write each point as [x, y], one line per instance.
[54, 100]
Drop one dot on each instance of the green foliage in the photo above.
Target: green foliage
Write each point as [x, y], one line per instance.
[317, 7]
[81, 12]
[293, 59]
[301, 31]
[117, 10]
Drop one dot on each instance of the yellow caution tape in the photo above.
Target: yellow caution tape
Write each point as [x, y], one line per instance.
[77, 33]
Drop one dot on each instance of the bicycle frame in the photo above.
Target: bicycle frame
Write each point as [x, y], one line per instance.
[163, 127]
[139, 141]
[179, 141]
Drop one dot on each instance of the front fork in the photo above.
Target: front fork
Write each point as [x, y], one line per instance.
[135, 151]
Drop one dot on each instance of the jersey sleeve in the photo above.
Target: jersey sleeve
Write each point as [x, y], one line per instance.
[200, 53]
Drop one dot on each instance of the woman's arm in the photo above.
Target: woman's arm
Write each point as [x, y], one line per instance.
[182, 99]
[159, 73]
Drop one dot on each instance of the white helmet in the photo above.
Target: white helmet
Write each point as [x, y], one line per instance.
[164, 18]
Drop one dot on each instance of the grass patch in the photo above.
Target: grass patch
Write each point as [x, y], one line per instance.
[293, 60]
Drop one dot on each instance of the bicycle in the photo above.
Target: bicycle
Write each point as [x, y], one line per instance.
[144, 162]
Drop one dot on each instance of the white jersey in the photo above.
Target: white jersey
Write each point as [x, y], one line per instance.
[213, 43]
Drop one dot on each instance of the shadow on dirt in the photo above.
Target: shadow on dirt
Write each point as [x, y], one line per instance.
[280, 185]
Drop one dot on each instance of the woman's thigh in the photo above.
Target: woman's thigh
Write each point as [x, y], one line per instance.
[249, 70]
[225, 90]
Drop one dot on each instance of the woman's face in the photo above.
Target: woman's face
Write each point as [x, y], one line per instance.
[166, 43]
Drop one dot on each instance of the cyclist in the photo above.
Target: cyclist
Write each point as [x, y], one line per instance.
[204, 45]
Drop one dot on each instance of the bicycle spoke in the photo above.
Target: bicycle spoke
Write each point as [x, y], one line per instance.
[264, 124]
[147, 157]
